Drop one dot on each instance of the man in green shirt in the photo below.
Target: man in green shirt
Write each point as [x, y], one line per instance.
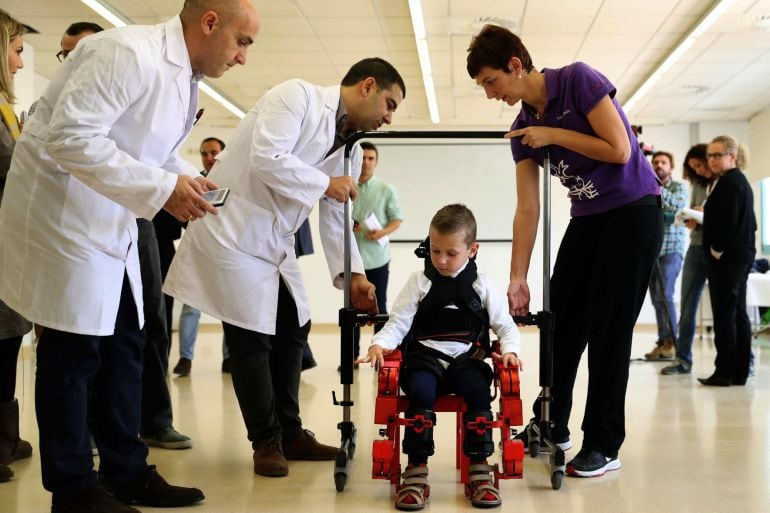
[376, 214]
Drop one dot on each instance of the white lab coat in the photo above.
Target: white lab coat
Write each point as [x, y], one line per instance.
[275, 165]
[99, 151]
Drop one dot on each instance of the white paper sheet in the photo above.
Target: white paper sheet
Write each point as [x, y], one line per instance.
[372, 223]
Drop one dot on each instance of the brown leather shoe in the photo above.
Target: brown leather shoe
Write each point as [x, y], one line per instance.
[269, 460]
[306, 447]
[666, 350]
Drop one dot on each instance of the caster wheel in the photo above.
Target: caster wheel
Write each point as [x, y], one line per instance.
[556, 479]
[340, 480]
[534, 448]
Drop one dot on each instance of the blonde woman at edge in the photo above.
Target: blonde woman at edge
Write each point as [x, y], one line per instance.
[12, 325]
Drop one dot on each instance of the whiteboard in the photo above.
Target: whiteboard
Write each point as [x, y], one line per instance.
[429, 175]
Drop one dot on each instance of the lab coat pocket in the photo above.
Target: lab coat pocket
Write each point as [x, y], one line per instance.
[248, 228]
[90, 217]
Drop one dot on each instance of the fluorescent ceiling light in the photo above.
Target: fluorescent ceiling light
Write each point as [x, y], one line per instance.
[418, 25]
[117, 19]
[717, 10]
[107, 13]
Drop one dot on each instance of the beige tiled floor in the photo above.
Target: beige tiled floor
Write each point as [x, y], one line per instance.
[689, 448]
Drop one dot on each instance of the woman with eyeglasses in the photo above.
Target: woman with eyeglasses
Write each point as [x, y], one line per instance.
[696, 171]
[12, 326]
[728, 242]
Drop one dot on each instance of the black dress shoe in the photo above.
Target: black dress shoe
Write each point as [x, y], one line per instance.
[716, 381]
[94, 499]
[150, 489]
[739, 381]
[308, 363]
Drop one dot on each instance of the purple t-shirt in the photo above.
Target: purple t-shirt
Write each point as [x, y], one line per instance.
[594, 186]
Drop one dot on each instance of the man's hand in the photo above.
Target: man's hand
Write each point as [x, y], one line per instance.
[186, 202]
[375, 234]
[341, 188]
[518, 297]
[207, 184]
[362, 294]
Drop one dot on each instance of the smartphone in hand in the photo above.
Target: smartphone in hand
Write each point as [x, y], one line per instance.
[217, 197]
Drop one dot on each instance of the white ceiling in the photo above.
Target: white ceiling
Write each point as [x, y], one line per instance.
[723, 77]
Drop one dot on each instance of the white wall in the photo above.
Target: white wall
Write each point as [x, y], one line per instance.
[759, 147]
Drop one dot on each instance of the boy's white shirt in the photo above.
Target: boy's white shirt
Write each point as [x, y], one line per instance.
[417, 287]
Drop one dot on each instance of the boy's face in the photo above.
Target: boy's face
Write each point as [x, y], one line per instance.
[449, 251]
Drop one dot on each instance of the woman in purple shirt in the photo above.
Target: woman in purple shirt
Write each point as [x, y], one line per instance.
[605, 258]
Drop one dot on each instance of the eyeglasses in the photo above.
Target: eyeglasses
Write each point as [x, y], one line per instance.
[62, 55]
[717, 155]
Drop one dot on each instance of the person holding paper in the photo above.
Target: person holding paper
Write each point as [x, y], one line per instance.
[695, 170]
[376, 214]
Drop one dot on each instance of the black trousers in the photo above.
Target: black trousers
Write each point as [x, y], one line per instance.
[597, 289]
[266, 370]
[66, 364]
[732, 327]
[156, 400]
[9, 357]
[379, 278]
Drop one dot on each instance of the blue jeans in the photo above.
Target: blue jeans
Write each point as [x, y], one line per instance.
[188, 333]
[693, 281]
[662, 282]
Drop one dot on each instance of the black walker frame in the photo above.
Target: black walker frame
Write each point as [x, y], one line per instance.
[539, 433]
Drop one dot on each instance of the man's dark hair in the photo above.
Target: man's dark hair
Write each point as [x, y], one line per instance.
[493, 48]
[82, 26]
[210, 139]
[381, 70]
[369, 146]
[669, 156]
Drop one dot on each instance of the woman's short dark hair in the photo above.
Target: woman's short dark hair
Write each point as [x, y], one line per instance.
[381, 70]
[493, 47]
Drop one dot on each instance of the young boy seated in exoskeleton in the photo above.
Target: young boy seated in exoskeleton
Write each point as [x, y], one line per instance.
[443, 316]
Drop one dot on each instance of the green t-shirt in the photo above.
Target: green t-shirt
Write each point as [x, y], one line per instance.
[381, 199]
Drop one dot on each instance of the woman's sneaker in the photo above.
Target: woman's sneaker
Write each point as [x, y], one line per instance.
[591, 463]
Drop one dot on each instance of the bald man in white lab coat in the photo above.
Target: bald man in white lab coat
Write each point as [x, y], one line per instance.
[99, 152]
[285, 157]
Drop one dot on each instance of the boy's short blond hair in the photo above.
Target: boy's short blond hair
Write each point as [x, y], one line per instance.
[453, 219]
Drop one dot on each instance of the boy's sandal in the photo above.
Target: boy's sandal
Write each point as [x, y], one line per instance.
[414, 490]
[480, 488]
